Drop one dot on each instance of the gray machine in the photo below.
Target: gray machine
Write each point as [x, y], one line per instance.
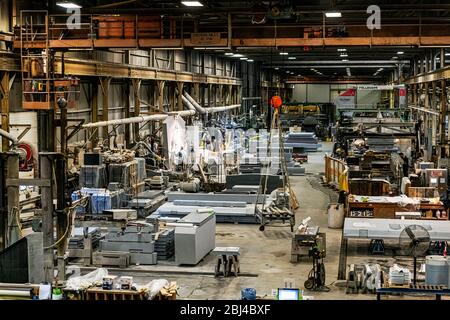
[195, 237]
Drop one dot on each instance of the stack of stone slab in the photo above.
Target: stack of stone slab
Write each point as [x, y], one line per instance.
[138, 241]
[146, 202]
[384, 144]
[228, 207]
[306, 141]
[165, 244]
[273, 181]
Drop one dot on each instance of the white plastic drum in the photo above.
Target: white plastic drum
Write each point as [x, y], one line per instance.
[336, 216]
[436, 270]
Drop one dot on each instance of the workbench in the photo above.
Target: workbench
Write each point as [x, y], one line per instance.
[385, 229]
[386, 207]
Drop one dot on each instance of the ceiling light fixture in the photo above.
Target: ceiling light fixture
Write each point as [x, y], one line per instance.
[344, 60]
[333, 14]
[292, 58]
[343, 55]
[244, 58]
[229, 53]
[400, 52]
[447, 54]
[342, 50]
[192, 3]
[395, 57]
[237, 55]
[68, 5]
[277, 68]
[250, 60]
[284, 53]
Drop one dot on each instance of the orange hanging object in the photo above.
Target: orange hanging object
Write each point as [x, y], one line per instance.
[276, 102]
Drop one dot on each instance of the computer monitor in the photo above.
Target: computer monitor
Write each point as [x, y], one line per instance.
[288, 294]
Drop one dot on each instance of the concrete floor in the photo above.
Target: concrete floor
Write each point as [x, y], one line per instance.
[265, 256]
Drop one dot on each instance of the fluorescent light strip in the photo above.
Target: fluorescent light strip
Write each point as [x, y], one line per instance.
[292, 58]
[333, 14]
[192, 3]
[229, 53]
[284, 53]
[68, 5]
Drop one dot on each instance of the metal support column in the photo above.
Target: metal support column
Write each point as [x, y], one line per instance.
[13, 225]
[442, 58]
[94, 113]
[105, 82]
[62, 223]
[210, 88]
[180, 95]
[45, 162]
[160, 84]
[196, 91]
[137, 105]
[127, 112]
[3, 202]
[444, 152]
[5, 87]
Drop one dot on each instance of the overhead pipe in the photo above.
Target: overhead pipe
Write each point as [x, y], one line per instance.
[189, 105]
[202, 110]
[139, 119]
[194, 103]
[8, 136]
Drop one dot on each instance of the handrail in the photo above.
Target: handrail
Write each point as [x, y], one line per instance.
[336, 173]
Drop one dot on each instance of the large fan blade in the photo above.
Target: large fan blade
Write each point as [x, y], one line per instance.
[410, 233]
[423, 239]
[411, 248]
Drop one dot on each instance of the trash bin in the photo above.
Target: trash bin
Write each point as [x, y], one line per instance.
[336, 216]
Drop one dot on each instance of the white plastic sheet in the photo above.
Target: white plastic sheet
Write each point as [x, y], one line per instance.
[153, 287]
[86, 281]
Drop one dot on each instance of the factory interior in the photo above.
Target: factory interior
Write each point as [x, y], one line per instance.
[224, 150]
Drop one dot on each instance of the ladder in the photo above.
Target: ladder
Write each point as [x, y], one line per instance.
[35, 59]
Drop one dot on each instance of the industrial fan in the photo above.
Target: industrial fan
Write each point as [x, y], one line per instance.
[414, 240]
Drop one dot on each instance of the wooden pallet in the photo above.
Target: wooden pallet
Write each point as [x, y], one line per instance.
[101, 294]
[417, 286]
[394, 285]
